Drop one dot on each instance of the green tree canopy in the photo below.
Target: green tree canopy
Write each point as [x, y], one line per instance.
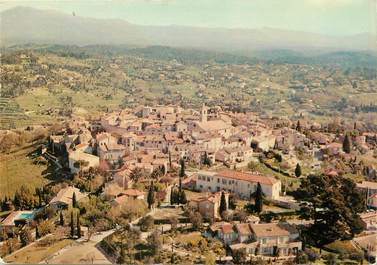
[333, 203]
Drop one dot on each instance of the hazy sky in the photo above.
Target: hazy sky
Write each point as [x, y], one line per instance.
[332, 17]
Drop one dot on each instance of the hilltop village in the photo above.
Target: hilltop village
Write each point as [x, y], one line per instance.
[165, 184]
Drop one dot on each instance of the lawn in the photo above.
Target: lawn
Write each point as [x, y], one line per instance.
[345, 247]
[35, 253]
[17, 169]
[192, 238]
[290, 182]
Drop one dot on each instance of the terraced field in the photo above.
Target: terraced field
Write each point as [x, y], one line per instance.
[11, 115]
[17, 169]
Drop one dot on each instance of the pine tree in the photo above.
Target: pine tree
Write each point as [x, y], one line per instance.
[74, 202]
[223, 207]
[72, 226]
[151, 197]
[78, 226]
[258, 206]
[347, 144]
[61, 219]
[298, 170]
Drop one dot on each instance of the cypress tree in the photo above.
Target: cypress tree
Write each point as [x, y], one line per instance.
[78, 226]
[72, 226]
[122, 256]
[150, 197]
[74, 202]
[169, 160]
[298, 126]
[17, 200]
[259, 199]
[223, 206]
[298, 170]
[182, 171]
[61, 219]
[206, 160]
[183, 198]
[172, 201]
[347, 144]
[37, 232]
[39, 200]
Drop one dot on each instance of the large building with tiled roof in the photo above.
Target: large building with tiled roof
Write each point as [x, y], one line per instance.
[241, 183]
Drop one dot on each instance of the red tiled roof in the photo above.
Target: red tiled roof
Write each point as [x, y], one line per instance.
[247, 177]
[227, 228]
[269, 230]
[243, 229]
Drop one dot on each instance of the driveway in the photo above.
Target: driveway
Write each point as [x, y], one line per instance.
[81, 252]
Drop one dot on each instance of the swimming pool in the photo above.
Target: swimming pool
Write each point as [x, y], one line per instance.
[26, 216]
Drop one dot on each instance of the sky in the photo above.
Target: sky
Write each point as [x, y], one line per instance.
[330, 17]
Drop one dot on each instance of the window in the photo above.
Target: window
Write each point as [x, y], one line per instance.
[224, 181]
[208, 179]
[218, 180]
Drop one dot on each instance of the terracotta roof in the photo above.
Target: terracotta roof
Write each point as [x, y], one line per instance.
[65, 195]
[227, 228]
[334, 145]
[268, 230]
[243, 229]
[369, 215]
[121, 199]
[214, 125]
[247, 177]
[367, 184]
[9, 220]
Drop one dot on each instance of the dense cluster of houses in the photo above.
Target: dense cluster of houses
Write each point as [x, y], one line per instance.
[217, 143]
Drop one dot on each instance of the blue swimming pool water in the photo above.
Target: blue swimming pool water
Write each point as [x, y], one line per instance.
[26, 216]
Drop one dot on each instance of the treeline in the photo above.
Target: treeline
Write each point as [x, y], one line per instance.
[364, 62]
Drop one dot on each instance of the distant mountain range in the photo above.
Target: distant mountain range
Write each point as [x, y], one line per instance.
[23, 25]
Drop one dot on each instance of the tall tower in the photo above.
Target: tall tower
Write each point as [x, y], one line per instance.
[204, 113]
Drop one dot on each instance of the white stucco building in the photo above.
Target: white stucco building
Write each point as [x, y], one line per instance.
[241, 183]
